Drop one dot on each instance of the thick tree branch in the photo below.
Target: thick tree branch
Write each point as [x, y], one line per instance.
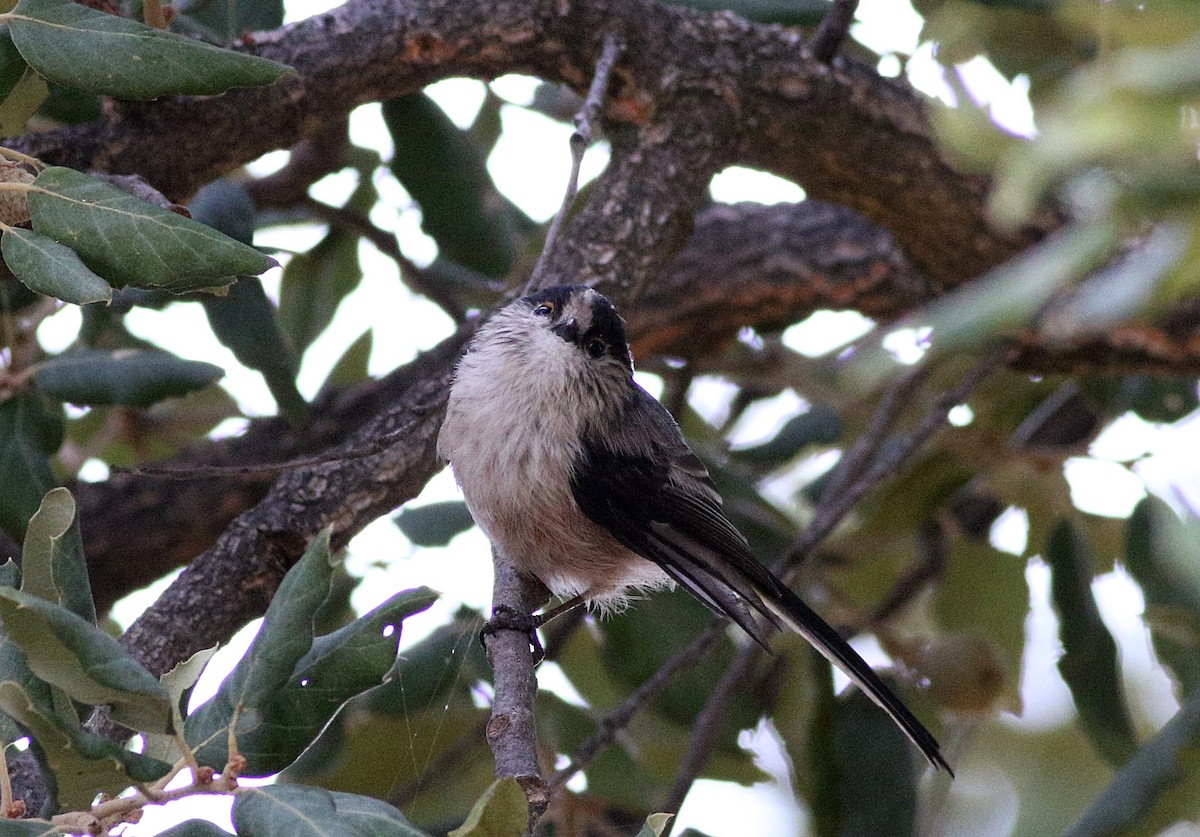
[842, 131]
[234, 580]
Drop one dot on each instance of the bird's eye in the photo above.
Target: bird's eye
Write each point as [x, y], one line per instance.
[596, 347]
[543, 310]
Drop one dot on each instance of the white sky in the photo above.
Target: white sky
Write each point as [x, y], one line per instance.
[530, 166]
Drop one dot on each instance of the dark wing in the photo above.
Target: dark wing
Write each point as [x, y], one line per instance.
[645, 486]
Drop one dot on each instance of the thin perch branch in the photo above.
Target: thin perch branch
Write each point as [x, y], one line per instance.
[616, 720]
[708, 727]
[585, 132]
[891, 458]
[511, 732]
[833, 30]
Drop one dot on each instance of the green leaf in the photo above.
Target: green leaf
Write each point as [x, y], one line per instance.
[785, 12]
[129, 377]
[29, 431]
[424, 706]
[373, 817]
[339, 666]
[49, 268]
[983, 594]
[1162, 556]
[352, 367]
[131, 242]
[69, 652]
[502, 811]
[1089, 662]
[285, 637]
[178, 682]
[52, 562]
[12, 65]
[818, 426]
[115, 56]
[444, 171]
[434, 524]
[876, 771]
[655, 824]
[194, 828]
[1157, 788]
[314, 283]
[1003, 299]
[82, 764]
[244, 319]
[294, 810]
[231, 18]
[31, 828]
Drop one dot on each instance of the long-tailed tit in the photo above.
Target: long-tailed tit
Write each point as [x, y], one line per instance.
[586, 483]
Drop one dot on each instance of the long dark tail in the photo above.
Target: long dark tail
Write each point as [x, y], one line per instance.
[788, 608]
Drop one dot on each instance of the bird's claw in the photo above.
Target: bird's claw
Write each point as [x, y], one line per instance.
[504, 618]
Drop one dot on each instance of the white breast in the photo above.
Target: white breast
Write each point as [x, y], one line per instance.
[513, 444]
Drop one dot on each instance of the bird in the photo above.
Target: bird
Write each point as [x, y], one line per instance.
[585, 481]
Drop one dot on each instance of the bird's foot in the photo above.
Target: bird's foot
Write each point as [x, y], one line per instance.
[504, 618]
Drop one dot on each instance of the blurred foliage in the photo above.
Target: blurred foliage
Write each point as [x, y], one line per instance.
[942, 563]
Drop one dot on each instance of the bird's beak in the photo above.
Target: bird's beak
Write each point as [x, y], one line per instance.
[568, 330]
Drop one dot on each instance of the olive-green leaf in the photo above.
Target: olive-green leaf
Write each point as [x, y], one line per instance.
[285, 637]
[244, 319]
[351, 368]
[29, 432]
[131, 242]
[52, 562]
[26, 96]
[51, 268]
[314, 284]
[434, 524]
[12, 65]
[83, 763]
[445, 172]
[69, 652]
[111, 55]
[1157, 788]
[129, 377]
[502, 811]
[1162, 556]
[1089, 662]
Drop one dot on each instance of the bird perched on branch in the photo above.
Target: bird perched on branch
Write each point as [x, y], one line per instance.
[586, 483]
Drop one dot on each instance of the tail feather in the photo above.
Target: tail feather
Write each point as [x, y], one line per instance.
[787, 607]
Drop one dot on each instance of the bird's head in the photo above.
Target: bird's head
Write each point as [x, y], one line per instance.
[579, 323]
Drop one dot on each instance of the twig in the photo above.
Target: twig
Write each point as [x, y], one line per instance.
[585, 120]
[831, 32]
[851, 466]
[415, 277]
[619, 717]
[891, 457]
[6, 791]
[707, 728]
